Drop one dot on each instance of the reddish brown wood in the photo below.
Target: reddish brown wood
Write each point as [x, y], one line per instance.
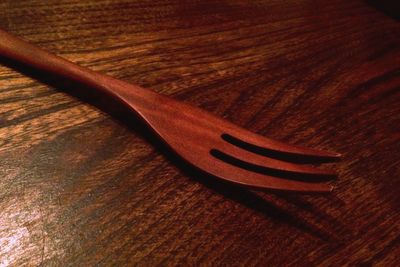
[192, 133]
[83, 183]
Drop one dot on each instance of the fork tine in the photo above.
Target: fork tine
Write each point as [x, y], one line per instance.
[256, 142]
[261, 181]
[274, 164]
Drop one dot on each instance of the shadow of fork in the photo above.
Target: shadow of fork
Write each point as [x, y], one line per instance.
[125, 117]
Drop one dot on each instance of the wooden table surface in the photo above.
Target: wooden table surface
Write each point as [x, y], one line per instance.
[82, 184]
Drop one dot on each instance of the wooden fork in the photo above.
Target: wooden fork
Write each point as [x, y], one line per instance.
[211, 144]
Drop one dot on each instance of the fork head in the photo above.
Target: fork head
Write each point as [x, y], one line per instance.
[232, 153]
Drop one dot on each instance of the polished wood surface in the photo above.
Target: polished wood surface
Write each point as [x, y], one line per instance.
[82, 183]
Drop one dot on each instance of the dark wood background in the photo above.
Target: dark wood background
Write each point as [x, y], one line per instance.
[82, 184]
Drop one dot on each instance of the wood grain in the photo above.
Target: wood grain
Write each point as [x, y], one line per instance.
[83, 184]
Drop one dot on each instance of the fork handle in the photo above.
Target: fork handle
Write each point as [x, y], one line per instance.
[19, 50]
